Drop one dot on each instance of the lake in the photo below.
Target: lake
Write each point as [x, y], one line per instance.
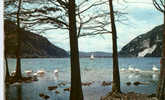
[96, 71]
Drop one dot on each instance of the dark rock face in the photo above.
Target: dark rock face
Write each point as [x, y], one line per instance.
[32, 46]
[145, 45]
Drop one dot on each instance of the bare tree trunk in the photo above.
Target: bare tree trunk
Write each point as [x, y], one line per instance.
[76, 88]
[116, 74]
[7, 69]
[161, 84]
[18, 64]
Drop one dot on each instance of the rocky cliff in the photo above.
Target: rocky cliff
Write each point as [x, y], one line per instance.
[145, 45]
[33, 45]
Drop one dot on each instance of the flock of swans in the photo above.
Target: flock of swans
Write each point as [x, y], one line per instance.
[133, 69]
[38, 73]
[41, 72]
[135, 72]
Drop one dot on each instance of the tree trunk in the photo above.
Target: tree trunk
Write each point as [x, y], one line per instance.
[76, 89]
[18, 64]
[161, 84]
[116, 74]
[7, 69]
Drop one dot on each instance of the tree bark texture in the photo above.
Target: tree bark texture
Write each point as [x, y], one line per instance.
[76, 88]
[161, 84]
[18, 50]
[116, 74]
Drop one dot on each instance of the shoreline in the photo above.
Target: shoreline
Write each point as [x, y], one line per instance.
[129, 96]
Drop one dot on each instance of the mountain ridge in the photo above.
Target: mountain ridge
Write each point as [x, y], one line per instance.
[148, 44]
[33, 45]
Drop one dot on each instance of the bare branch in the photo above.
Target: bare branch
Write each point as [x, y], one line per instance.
[157, 6]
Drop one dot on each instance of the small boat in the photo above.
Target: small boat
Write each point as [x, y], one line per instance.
[154, 68]
[92, 57]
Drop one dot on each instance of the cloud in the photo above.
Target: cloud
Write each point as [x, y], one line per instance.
[141, 19]
[96, 43]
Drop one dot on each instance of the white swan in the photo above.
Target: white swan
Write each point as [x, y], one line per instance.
[56, 74]
[35, 74]
[122, 69]
[137, 70]
[130, 68]
[154, 68]
[56, 71]
[13, 73]
[40, 72]
[28, 72]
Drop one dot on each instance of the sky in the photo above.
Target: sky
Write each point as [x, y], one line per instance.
[141, 15]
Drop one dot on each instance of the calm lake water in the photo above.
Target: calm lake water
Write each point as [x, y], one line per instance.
[97, 71]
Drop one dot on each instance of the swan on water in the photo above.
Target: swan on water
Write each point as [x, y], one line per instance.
[122, 69]
[137, 70]
[56, 71]
[56, 74]
[154, 68]
[35, 74]
[13, 73]
[130, 68]
[28, 72]
[40, 72]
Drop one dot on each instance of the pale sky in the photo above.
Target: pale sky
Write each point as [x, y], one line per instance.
[142, 17]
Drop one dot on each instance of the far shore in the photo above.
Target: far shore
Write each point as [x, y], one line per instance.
[82, 57]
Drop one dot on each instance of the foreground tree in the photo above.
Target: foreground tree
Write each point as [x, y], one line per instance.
[7, 75]
[18, 75]
[160, 5]
[116, 74]
[76, 89]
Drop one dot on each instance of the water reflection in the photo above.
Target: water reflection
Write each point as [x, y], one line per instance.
[19, 92]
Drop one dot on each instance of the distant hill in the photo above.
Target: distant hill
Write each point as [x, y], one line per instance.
[33, 45]
[145, 45]
[96, 54]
